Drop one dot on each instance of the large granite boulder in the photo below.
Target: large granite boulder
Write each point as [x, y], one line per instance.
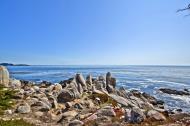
[67, 95]
[23, 108]
[4, 76]
[80, 79]
[136, 115]
[155, 115]
[16, 84]
[110, 80]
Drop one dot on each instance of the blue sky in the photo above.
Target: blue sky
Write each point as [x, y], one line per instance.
[96, 32]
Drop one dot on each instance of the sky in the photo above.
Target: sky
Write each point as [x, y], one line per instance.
[94, 32]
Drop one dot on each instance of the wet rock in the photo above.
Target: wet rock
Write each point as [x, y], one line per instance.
[172, 91]
[155, 115]
[4, 76]
[76, 123]
[23, 108]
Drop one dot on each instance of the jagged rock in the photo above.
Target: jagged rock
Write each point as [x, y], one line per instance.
[36, 88]
[53, 102]
[23, 108]
[78, 106]
[100, 85]
[68, 104]
[172, 91]
[110, 89]
[136, 116]
[67, 95]
[91, 118]
[89, 82]
[41, 106]
[80, 79]
[57, 87]
[67, 116]
[122, 101]
[155, 115]
[4, 76]
[110, 80]
[106, 111]
[8, 112]
[16, 84]
[38, 114]
[101, 78]
[76, 123]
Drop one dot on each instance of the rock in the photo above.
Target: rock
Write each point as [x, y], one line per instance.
[68, 104]
[76, 123]
[155, 115]
[89, 82]
[8, 112]
[110, 89]
[101, 78]
[53, 102]
[91, 118]
[100, 85]
[110, 80]
[38, 114]
[80, 79]
[106, 111]
[41, 106]
[36, 88]
[122, 101]
[68, 116]
[171, 91]
[78, 106]
[16, 84]
[57, 87]
[4, 76]
[67, 95]
[23, 108]
[137, 116]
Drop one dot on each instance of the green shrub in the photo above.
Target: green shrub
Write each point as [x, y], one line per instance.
[14, 123]
[6, 98]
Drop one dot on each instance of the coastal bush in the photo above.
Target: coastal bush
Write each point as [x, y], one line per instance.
[6, 98]
[14, 123]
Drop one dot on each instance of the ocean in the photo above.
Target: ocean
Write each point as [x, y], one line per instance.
[144, 78]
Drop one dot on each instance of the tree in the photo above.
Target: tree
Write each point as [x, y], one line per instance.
[185, 9]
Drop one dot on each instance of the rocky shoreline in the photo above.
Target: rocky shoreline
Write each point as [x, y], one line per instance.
[86, 101]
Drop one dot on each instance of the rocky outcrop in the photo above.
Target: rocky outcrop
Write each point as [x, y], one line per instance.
[4, 76]
[77, 102]
[175, 92]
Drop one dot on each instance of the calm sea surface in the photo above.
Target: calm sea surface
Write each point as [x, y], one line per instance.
[144, 78]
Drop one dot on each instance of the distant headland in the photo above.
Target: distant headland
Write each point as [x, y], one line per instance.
[11, 64]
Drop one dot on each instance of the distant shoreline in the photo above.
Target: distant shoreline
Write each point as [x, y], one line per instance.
[11, 64]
